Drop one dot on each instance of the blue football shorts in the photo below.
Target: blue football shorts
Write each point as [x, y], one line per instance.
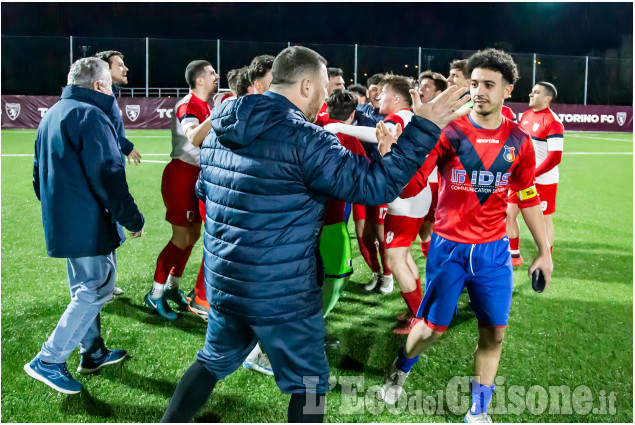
[485, 269]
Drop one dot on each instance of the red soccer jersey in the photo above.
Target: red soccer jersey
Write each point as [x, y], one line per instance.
[323, 116]
[192, 110]
[547, 133]
[335, 207]
[508, 113]
[477, 166]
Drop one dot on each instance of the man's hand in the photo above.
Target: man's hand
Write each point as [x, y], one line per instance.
[386, 138]
[135, 156]
[443, 108]
[544, 263]
[138, 234]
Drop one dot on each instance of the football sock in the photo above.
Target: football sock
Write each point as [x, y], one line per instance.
[382, 254]
[157, 290]
[514, 246]
[168, 259]
[192, 392]
[405, 364]
[300, 412]
[425, 247]
[368, 250]
[413, 298]
[185, 255]
[200, 282]
[331, 290]
[173, 282]
[481, 396]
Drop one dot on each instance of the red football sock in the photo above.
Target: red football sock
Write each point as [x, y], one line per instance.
[425, 247]
[185, 255]
[413, 299]
[382, 254]
[168, 259]
[514, 246]
[369, 252]
[418, 280]
[200, 282]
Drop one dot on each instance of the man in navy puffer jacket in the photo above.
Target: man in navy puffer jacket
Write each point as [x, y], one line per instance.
[266, 174]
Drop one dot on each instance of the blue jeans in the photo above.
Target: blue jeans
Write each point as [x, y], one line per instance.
[92, 282]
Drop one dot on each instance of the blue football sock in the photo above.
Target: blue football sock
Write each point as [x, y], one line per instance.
[481, 396]
[404, 364]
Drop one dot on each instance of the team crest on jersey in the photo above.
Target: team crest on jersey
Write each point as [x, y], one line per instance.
[535, 127]
[13, 110]
[509, 154]
[621, 118]
[133, 111]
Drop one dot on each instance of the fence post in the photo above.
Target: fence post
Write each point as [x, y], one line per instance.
[147, 67]
[288, 44]
[533, 78]
[586, 79]
[71, 49]
[419, 63]
[355, 73]
[218, 57]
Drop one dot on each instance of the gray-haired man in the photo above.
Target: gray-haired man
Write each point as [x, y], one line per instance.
[78, 175]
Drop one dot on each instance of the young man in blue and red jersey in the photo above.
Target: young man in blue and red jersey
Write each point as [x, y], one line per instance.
[547, 134]
[480, 157]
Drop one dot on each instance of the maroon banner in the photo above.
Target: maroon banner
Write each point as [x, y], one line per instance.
[155, 113]
[588, 117]
[137, 112]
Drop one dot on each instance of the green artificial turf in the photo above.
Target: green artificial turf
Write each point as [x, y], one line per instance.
[577, 334]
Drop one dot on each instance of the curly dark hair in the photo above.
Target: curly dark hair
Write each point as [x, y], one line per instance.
[341, 104]
[494, 60]
[400, 84]
[259, 67]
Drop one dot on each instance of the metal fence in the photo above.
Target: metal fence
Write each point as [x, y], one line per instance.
[38, 65]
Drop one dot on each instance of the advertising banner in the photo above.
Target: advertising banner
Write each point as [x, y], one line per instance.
[155, 113]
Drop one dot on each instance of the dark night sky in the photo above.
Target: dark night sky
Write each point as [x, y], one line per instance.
[549, 28]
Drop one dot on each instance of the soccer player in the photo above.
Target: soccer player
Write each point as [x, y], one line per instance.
[479, 157]
[265, 182]
[336, 81]
[119, 75]
[547, 133]
[360, 92]
[259, 73]
[374, 91]
[190, 124]
[431, 84]
[335, 245]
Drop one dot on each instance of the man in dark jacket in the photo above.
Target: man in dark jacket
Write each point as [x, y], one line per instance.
[266, 174]
[79, 177]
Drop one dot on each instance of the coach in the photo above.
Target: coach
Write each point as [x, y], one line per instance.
[79, 177]
[266, 174]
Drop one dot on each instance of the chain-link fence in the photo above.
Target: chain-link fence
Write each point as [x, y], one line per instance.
[38, 65]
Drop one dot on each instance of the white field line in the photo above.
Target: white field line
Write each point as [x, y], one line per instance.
[605, 138]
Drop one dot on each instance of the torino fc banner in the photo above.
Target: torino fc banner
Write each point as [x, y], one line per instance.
[156, 112]
[137, 112]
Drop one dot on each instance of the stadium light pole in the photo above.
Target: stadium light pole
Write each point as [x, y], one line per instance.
[218, 57]
[355, 73]
[533, 78]
[586, 79]
[419, 62]
[147, 67]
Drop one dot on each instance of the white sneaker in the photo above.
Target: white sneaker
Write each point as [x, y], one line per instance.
[372, 283]
[117, 291]
[482, 418]
[393, 386]
[258, 361]
[387, 284]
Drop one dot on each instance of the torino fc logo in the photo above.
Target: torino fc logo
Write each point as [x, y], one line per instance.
[133, 111]
[13, 110]
[621, 118]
